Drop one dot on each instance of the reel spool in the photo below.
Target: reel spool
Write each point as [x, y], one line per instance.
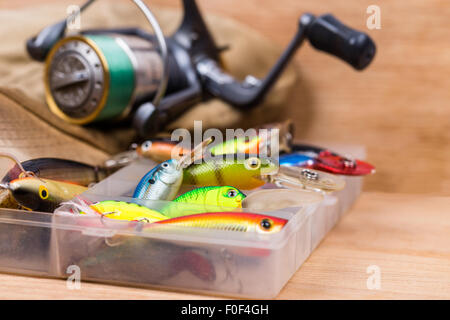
[99, 75]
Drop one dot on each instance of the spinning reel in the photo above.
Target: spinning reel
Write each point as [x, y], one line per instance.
[101, 75]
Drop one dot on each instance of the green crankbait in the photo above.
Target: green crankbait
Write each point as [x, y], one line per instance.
[206, 199]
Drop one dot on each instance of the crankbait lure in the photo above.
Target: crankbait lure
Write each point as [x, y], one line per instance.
[248, 145]
[160, 183]
[325, 160]
[121, 210]
[297, 160]
[58, 169]
[164, 180]
[161, 150]
[243, 174]
[147, 261]
[204, 199]
[40, 194]
[254, 144]
[230, 221]
[294, 177]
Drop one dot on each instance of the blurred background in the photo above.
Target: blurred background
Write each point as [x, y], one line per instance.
[398, 108]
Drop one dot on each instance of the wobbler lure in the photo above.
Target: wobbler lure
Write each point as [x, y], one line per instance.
[229, 221]
[294, 177]
[243, 174]
[318, 158]
[164, 180]
[148, 261]
[121, 210]
[280, 133]
[160, 183]
[40, 194]
[250, 145]
[58, 169]
[204, 199]
[161, 150]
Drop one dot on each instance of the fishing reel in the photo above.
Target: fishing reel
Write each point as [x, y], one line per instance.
[101, 75]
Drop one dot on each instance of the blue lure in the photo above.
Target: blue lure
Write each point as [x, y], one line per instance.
[296, 159]
[164, 181]
[160, 183]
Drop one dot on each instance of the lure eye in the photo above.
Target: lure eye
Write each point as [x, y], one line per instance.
[231, 193]
[165, 165]
[253, 163]
[266, 224]
[43, 192]
[146, 145]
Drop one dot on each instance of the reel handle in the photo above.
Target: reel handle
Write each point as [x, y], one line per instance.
[326, 33]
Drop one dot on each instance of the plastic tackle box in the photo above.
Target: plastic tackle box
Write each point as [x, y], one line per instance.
[184, 259]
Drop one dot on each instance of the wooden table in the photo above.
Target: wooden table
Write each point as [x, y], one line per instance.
[406, 236]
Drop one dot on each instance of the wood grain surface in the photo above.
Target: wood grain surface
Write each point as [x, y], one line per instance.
[405, 236]
[398, 108]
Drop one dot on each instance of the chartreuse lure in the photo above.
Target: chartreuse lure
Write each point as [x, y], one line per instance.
[205, 199]
[244, 174]
[238, 145]
[121, 210]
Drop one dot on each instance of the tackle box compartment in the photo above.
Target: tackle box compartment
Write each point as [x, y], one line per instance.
[214, 262]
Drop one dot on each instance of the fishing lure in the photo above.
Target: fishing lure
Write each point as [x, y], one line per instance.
[164, 180]
[244, 174]
[282, 132]
[121, 210]
[147, 260]
[160, 183]
[230, 221]
[297, 160]
[203, 200]
[248, 145]
[318, 158]
[304, 178]
[58, 169]
[161, 150]
[40, 194]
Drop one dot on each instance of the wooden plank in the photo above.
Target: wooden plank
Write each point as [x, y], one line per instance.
[406, 236]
